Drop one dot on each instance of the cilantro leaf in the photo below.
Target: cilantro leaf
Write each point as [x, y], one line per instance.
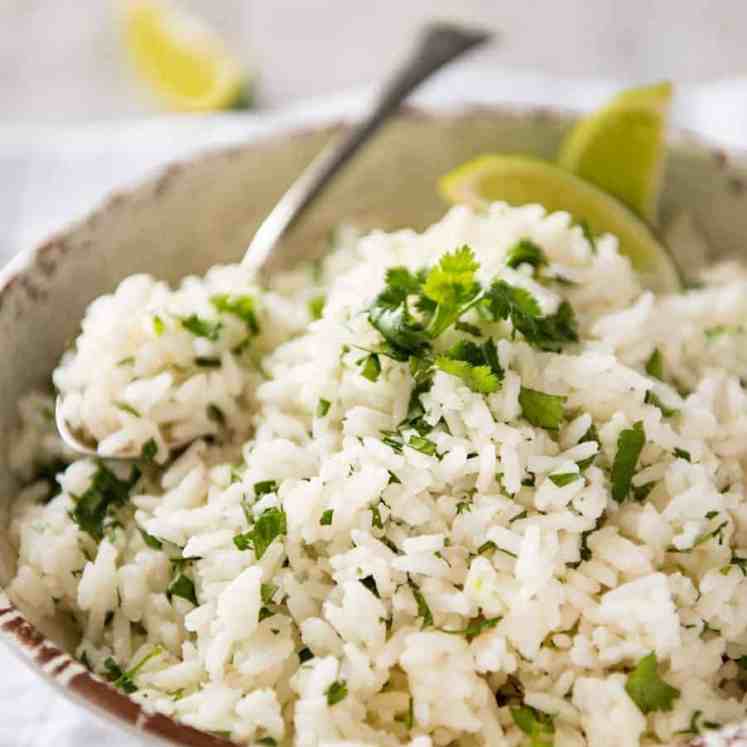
[316, 307]
[267, 592]
[151, 541]
[322, 408]
[183, 587]
[630, 443]
[149, 450]
[478, 378]
[270, 525]
[536, 725]
[125, 680]
[326, 518]
[423, 445]
[241, 306]
[652, 399]
[565, 479]
[424, 611]
[200, 327]
[336, 692]
[504, 301]
[158, 326]
[264, 487]
[682, 454]
[540, 409]
[590, 435]
[655, 365]
[105, 492]
[370, 367]
[525, 251]
[647, 690]
[475, 627]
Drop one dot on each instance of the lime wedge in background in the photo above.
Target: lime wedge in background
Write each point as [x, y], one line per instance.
[521, 180]
[185, 62]
[621, 147]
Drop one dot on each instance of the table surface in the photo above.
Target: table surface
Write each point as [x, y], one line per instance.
[61, 68]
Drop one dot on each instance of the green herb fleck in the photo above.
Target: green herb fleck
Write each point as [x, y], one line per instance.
[682, 454]
[326, 519]
[652, 399]
[267, 592]
[655, 365]
[149, 450]
[630, 443]
[336, 692]
[264, 487]
[183, 587]
[527, 252]
[370, 367]
[565, 479]
[215, 414]
[200, 327]
[241, 306]
[270, 525]
[424, 611]
[423, 445]
[202, 362]
[128, 409]
[151, 541]
[316, 307]
[540, 409]
[322, 408]
[536, 725]
[158, 326]
[125, 680]
[647, 690]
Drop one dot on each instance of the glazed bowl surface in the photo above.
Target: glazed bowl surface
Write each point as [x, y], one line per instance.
[204, 211]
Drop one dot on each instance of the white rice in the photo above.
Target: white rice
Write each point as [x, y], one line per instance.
[578, 587]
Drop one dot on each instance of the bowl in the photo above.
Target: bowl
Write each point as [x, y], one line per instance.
[203, 211]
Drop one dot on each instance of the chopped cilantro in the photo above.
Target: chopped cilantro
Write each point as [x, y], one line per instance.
[682, 454]
[336, 692]
[647, 690]
[370, 367]
[655, 365]
[326, 518]
[105, 492]
[158, 326]
[652, 399]
[476, 365]
[467, 328]
[151, 541]
[424, 611]
[203, 362]
[590, 435]
[565, 479]
[267, 742]
[267, 592]
[376, 521]
[264, 487]
[241, 306]
[149, 450]
[125, 680]
[393, 479]
[393, 440]
[716, 533]
[316, 307]
[538, 726]
[526, 252]
[215, 414]
[540, 409]
[476, 627]
[504, 301]
[183, 587]
[630, 443]
[200, 327]
[127, 408]
[423, 445]
[488, 546]
[322, 408]
[270, 525]
[640, 492]
[370, 583]
[305, 655]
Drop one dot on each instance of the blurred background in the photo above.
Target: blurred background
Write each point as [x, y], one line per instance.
[81, 112]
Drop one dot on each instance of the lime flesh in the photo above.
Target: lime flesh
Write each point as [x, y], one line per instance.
[521, 180]
[621, 147]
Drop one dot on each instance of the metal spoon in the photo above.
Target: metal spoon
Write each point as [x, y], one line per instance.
[439, 44]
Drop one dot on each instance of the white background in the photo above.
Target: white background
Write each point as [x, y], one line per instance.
[73, 124]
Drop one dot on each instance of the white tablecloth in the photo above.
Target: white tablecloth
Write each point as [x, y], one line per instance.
[55, 174]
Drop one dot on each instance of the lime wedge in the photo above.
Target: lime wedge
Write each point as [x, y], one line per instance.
[185, 62]
[521, 180]
[621, 147]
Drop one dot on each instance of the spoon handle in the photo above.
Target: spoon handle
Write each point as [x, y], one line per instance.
[439, 44]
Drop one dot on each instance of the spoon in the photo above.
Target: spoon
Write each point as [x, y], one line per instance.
[439, 44]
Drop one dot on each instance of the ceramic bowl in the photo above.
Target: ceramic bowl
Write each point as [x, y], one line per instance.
[204, 211]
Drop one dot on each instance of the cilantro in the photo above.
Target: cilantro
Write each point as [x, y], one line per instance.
[322, 408]
[264, 487]
[565, 479]
[267, 592]
[393, 479]
[393, 440]
[158, 326]
[305, 655]
[326, 519]
[149, 450]
[652, 399]
[105, 492]
[241, 306]
[640, 492]
[682, 454]
[630, 443]
[695, 727]
[590, 435]
[128, 409]
[423, 445]
[476, 627]
[476, 365]
[463, 507]
[713, 534]
[202, 327]
[316, 307]
[452, 286]
[536, 725]
[526, 252]
[125, 680]
[270, 525]
[488, 546]
[647, 690]
[740, 563]
[376, 521]
[370, 583]
[267, 742]
[655, 365]
[370, 367]
[336, 692]
[264, 613]
[540, 409]
[215, 414]
[504, 301]
[424, 611]
[183, 587]
[151, 541]
[467, 328]
[203, 362]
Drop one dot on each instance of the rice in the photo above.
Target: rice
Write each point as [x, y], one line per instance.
[335, 561]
